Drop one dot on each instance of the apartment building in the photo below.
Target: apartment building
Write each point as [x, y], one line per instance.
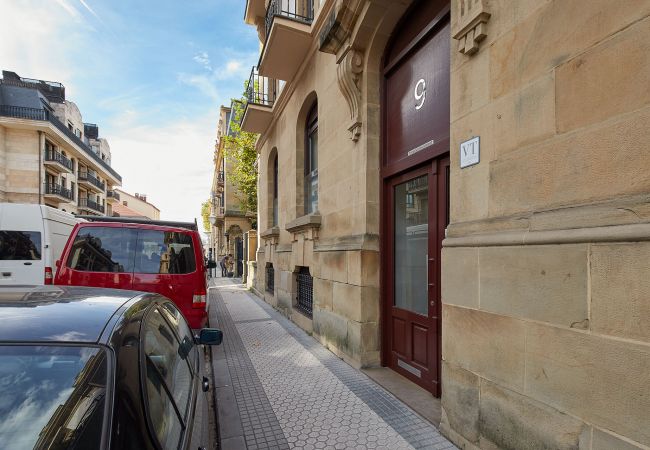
[129, 205]
[228, 222]
[458, 191]
[48, 155]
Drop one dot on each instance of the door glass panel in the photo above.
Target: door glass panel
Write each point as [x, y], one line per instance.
[411, 243]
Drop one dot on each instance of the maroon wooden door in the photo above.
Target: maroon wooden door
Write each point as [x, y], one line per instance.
[415, 221]
[414, 204]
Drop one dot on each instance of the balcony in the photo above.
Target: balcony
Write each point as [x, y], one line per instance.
[57, 193]
[112, 196]
[220, 178]
[90, 181]
[20, 112]
[91, 206]
[260, 96]
[57, 161]
[288, 37]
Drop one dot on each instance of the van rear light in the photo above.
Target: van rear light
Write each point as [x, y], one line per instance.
[198, 300]
[48, 275]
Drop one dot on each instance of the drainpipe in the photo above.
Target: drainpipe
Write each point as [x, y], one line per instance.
[41, 150]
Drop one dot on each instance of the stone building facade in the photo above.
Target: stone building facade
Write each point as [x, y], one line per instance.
[514, 287]
[48, 155]
[139, 204]
[229, 224]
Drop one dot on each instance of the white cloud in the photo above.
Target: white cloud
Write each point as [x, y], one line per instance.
[203, 59]
[27, 31]
[171, 163]
[90, 10]
[204, 83]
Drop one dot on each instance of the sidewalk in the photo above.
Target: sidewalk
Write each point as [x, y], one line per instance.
[277, 387]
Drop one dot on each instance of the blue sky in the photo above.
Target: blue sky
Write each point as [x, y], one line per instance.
[152, 74]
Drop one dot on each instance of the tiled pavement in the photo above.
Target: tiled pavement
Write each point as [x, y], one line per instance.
[277, 387]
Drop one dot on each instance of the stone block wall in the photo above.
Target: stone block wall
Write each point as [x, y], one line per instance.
[546, 341]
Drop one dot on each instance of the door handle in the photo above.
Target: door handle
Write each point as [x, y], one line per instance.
[27, 264]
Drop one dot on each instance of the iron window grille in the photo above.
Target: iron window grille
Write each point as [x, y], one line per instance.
[270, 279]
[305, 292]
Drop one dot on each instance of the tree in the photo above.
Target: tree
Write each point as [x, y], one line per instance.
[205, 214]
[240, 151]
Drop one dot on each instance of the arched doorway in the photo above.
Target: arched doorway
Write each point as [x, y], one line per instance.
[415, 177]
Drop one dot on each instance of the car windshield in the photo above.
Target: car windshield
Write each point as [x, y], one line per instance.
[52, 396]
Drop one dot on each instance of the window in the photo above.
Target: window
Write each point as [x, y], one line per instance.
[275, 191]
[20, 245]
[168, 379]
[270, 278]
[305, 284]
[166, 252]
[52, 396]
[103, 249]
[311, 162]
[187, 348]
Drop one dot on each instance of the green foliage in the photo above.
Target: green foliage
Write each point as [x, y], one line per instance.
[205, 214]
[240, 151]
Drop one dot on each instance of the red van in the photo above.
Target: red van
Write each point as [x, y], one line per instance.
[141, 255]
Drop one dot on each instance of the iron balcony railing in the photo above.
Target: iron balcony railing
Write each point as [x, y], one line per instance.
[298, 10]
[87, 203]
[260, 90]
[20, 112]
[92, 179]
[113, 194]
[57, 189]
[54, 156]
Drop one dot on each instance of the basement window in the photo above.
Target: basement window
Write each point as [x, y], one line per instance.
[305, 285]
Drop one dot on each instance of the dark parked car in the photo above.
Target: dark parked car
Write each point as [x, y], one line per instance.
[89, 368]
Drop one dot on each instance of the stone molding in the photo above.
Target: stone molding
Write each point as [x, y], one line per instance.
[308, 225]
[617, 233]
[349, 70]
[349, 243]
[270, 233]
[271, 236]
[471, 27]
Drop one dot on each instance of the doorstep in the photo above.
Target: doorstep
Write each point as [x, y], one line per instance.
[418, 399]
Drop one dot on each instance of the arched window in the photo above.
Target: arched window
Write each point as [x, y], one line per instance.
[311, 161]
[275, 191]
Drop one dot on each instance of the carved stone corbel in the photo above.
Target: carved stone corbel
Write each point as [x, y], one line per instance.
[470, 28]
[349, 70]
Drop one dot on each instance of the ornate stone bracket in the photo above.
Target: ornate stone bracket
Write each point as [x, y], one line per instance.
[470, 28]
[349, 70]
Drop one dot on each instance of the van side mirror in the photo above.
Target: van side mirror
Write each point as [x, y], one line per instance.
[209, 336]
[58, 263]
[212, 264]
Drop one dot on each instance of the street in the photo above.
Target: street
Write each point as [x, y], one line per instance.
[277, 387]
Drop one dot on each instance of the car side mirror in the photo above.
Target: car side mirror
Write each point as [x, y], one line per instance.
[212, 264]
[210, 336]
[58, 263]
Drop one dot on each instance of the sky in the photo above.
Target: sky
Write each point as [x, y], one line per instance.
[150, 73]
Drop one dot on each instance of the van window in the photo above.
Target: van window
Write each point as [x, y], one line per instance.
[20, 245]
[166, 252]
[103, 249]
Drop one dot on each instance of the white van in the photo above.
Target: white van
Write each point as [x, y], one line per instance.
[32, 238]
